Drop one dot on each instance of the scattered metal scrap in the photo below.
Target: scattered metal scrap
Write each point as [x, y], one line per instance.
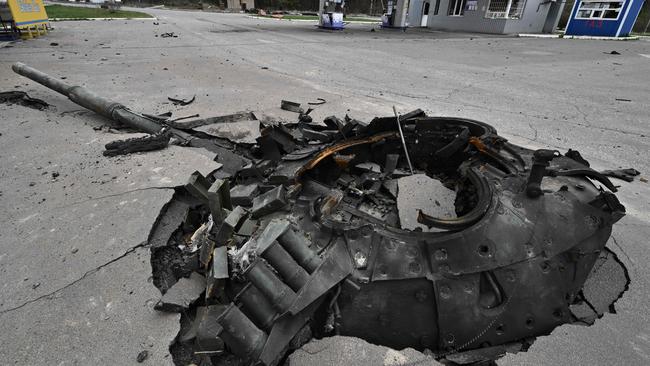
[291, 106]
[623, 174]
[137, 144]
[299, 235]
[20, 97]
[318, 102]
[182, 102]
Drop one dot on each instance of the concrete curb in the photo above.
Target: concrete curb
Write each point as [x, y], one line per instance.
[597, 38]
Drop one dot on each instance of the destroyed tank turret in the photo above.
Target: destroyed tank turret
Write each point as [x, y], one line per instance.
[317, 246]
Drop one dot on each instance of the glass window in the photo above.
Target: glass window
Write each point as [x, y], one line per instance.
[609, 10]
[505, 9]
[456, 7]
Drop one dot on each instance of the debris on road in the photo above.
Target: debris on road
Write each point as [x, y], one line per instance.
[168, 35]
[182, 102]
[183, 118]
[182, 294]
[319, 102]
[19, 97]
[142, 356]
[327, 245]
[137, 144]
[291, 106]
[407, 231]
[623, 174]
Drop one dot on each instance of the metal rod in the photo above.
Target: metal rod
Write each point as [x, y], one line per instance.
[401, 135]
[98, 104]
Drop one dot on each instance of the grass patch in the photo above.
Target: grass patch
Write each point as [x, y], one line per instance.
[315, 18]
[77, 12]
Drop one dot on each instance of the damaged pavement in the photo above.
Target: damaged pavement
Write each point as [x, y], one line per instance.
[112, 274]
[322, 240]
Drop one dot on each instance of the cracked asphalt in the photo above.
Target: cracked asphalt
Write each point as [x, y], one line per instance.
[76, 278]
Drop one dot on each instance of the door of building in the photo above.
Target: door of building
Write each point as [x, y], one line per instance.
[425, 14]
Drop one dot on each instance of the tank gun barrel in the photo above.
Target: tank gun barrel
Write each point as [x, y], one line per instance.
[98, 104]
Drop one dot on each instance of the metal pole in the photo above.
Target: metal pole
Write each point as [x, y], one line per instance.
[98, 104]
[401, 135]
[508, 6]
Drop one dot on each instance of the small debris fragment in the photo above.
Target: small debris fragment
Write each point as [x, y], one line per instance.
[291, 106]
[208, 330]
[268, 202]
[169, 35]
[142, 356]
[623, 174]
[21, 98]
[182, 102]
[182, 294]
[613, 53]
[137, 144]
[319, 102]
[243, 194]
[54, 44]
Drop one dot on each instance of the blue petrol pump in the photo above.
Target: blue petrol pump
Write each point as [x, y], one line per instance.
[614, 18]
[331, 14]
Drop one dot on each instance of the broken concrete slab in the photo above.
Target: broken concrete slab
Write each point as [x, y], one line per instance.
[182, 294]
[175, 213]
[421, 192]
[339, 350]
[243, 132]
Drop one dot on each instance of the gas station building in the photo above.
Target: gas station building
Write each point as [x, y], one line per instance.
[484, 16]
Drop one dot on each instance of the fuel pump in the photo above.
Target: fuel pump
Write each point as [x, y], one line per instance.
[331, 14]
[395, 14]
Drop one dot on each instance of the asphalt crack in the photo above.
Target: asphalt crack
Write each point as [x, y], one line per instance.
[50, 295]
[109, 196]
[621, 249]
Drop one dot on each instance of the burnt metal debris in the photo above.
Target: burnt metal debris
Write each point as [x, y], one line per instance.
[21, 98]
[299, 235]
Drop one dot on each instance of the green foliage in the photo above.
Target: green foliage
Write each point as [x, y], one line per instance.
[75, 12]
